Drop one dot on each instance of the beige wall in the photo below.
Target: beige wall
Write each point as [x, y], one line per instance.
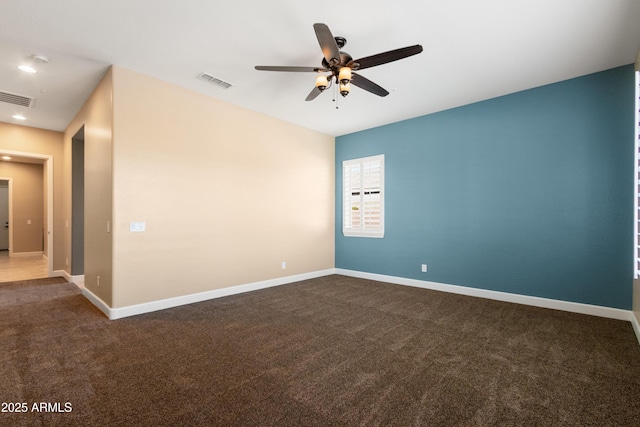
[97, 118]
[29, 140]
[227, 194]
[28, 220]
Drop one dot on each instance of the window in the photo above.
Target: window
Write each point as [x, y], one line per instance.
[636, 185]
[363, 197]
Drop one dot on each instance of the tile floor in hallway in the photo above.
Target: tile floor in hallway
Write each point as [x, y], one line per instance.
[21, 268]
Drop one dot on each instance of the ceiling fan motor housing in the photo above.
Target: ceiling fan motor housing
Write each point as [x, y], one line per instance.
[345, 58]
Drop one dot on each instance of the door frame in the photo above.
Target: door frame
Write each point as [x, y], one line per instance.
[9, 191]
[48, 171]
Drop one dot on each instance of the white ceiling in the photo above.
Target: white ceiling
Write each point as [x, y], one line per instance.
[473, 50]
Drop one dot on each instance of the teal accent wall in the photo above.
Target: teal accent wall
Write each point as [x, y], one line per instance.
[529, 193]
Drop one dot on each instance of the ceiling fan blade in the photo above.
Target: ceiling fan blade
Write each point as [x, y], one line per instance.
[368, 85]
[313, 94]
[328, 44]
[385, 57]
[291, 69]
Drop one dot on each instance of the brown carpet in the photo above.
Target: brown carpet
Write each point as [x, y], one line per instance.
[333, 351]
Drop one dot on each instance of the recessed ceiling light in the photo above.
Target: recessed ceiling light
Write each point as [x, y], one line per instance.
[27, 68]
[19, 117]
[6, 158]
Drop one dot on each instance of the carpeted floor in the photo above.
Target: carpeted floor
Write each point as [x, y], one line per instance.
[333, 351]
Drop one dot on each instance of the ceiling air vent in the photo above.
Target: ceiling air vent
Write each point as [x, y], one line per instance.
[214, 80]
[12, 98]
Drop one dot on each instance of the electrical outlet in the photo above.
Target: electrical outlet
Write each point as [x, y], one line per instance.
[98, 281]
[284, 264]
[66, 261]
[424, 268]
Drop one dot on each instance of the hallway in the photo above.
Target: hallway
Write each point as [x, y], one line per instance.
[21, 268]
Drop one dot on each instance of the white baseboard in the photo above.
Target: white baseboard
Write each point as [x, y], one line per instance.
[77, 280]
[636, 325]
[26, 254]
[97, 301]
[574, 307]
[132, 310]
[62, 273]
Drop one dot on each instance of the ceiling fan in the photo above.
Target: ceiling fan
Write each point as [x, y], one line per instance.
[341, 65]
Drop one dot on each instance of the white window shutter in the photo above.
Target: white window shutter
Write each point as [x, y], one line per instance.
[363, 197]
[637, 181]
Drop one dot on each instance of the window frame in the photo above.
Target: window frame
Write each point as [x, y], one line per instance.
[347, 193]
[636, 186]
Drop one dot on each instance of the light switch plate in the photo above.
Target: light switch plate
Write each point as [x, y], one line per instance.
[137, 226]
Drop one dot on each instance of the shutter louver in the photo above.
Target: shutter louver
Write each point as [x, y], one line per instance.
[371, 196]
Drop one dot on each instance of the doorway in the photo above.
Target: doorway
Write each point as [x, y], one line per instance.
[77, 203]
[47, 163]
[16, 266]
[4, 215]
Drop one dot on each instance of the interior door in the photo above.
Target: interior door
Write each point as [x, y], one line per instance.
[4, 216]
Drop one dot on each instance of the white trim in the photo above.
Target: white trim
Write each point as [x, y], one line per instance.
[148, 307]
[49, 170]
[26, 254]
[62, 273]
[636, 171]
[76, 280]
[574, 307]
[363, 232]
[95, 300]
[636, 325]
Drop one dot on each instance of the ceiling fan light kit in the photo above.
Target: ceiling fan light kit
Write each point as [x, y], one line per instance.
[345, 75]
[322, 82]
[345, 89]
[341, 65]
